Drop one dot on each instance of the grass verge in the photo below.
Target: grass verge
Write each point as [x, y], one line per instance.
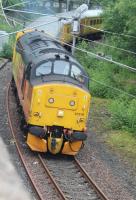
[121, 142]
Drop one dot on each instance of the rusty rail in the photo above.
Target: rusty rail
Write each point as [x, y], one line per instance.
[90, 181]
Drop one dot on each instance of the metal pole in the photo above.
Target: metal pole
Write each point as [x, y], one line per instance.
[74, 44]
[76, 24]
[68, 5]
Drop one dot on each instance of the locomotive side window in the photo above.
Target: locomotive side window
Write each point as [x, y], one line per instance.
[44, 69]
[77, 74]
[61, 67]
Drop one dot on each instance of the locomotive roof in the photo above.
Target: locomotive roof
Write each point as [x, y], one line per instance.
[36, 47]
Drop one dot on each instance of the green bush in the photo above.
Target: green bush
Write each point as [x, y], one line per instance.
[7, 51]
[123, 114]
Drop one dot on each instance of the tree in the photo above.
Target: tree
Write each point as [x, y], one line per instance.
[119, 16]
[10, 2]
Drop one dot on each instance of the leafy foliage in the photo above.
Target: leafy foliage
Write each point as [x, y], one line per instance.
[120, 18]
[108, 80]
[123, 114]
[10, 2]
[7, 51]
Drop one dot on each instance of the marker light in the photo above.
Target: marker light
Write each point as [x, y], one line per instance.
[51, 100]
[72, 103]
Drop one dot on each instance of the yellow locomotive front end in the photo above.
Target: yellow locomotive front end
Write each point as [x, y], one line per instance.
[62, 110]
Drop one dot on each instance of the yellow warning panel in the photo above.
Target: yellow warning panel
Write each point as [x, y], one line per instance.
[71, 148]
[36, 144]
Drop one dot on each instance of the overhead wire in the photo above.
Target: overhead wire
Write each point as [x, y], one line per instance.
[107, 45]
[28, 19]
[83, 50]
[109, 32]
[35, 13]
[118, 90]
[26, 11]
[55, 15]
[99, 82]
[79, 50]
[12, 18]
[127, 51]
[102, 58]
[97, 56]
[4, 13]
[11, 33]
[100, 43]
[17, 4]
[94, 79]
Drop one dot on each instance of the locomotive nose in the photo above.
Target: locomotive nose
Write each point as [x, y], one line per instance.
[60, 105]
[62, 101]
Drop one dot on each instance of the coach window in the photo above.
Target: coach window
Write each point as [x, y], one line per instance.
[91, 22]
[94, 22]
[61, 67]
[100, 21]
[44, 68]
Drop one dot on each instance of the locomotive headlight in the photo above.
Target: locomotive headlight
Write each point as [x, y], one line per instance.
[51, 100]
[60, 113]
[72, 103]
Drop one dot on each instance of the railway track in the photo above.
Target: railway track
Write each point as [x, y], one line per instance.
[73, 180]
[52, 177]
[4, 64]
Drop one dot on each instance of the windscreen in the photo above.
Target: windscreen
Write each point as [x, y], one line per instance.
[44, 69]
[62, 68]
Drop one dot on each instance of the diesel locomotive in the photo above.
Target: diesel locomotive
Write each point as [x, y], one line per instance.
[53, 92]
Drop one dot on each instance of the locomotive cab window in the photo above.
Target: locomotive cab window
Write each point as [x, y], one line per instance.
[44, 69]
[76, 73]
[61, 67]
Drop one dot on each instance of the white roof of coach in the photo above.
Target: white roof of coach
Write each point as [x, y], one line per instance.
[92, 13]
[88, 13]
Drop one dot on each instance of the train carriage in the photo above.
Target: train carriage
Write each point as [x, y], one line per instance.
[90, 18]
[53, 92]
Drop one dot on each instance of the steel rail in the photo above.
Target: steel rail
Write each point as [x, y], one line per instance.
[4, 64]
[90, 181]
[17, 146]
[52, 179]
